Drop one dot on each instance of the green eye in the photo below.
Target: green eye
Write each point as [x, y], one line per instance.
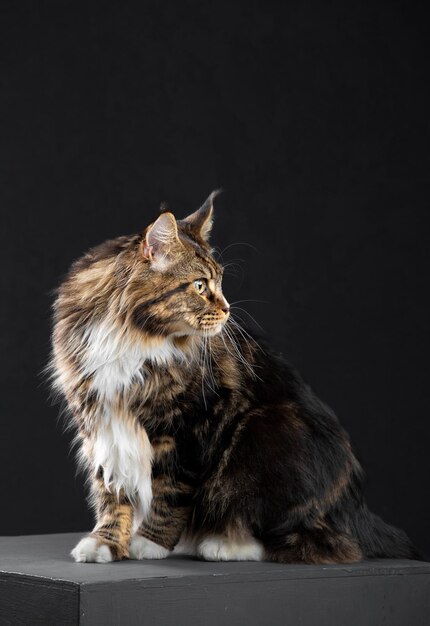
[200, 286]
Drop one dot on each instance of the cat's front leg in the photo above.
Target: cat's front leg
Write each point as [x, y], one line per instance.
[118, 456]
[160, 532]
[109, 541]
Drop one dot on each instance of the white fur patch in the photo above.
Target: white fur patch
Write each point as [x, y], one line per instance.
[120, 446]
[115, 361]
[124, 452]
[219, 548]
[142, 548]
[87, 551]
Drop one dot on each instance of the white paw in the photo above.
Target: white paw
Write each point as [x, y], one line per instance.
[87, 551]
[224, 549]
[142, 548]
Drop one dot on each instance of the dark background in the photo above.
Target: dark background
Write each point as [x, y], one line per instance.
[314, 117]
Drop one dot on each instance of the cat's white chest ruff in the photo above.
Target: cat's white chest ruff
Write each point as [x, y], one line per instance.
[120, 445]
[114, 361]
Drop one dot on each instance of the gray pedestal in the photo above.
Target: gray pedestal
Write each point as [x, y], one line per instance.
[40, 584]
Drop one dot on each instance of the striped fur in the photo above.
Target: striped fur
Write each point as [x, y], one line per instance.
[187, 427]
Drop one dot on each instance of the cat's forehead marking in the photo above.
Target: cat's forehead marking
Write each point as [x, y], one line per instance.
[209, 265]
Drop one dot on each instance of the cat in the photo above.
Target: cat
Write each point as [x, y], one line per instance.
[191, 432]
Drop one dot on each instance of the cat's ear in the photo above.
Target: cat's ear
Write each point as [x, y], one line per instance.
[200, 222]
[161, 241]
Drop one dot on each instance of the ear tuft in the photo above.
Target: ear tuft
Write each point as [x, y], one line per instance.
[161, 240]
[200, 222]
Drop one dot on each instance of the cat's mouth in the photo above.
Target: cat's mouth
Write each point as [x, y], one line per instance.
[204, 330]
[209, 331]
[213, 325]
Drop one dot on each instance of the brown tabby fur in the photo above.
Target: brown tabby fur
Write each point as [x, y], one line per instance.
[233, 440]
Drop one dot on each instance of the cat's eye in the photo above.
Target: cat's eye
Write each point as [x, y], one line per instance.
[200, 286]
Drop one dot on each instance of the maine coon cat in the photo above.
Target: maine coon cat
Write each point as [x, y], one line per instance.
[187, 427]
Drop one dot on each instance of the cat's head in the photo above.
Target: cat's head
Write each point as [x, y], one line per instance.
[180, 289]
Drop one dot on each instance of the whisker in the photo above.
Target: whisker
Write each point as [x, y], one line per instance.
[243, 331]
[207, 371]
[239, 354]
[203, 374]
[239, 243]
[211, 367]
[249, 315]
[240, 301]
[225, 345]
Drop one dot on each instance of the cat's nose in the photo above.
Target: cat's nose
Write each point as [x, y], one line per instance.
[224, 305]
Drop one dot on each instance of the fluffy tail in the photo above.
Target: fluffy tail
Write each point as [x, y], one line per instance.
[380, 540]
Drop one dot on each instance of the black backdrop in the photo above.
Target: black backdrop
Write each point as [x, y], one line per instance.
[313, 117]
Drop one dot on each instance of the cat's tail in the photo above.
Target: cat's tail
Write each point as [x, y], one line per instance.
[377, 539]
[360, 535]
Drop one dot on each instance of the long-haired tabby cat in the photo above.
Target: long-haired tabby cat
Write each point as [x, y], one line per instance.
[187, 427]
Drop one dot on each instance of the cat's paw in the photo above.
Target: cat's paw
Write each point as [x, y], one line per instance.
[224, 549]
[142, 548]
[90, 550]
